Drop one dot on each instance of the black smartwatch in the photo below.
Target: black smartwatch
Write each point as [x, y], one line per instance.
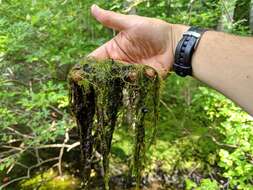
[184, 51]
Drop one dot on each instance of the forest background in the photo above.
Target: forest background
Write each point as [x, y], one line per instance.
[204, 141]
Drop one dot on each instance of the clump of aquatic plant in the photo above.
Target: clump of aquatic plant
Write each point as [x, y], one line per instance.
[104, 96]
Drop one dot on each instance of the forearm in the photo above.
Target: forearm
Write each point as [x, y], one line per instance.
[225, 62]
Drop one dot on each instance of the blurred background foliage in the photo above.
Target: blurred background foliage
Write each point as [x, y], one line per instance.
[204, 141]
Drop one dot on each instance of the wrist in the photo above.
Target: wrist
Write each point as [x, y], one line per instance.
[185, 49]
[176, 35]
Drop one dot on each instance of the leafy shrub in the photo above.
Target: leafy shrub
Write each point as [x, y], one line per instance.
[41, 40]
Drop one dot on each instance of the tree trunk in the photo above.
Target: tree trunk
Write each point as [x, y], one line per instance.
[227, 15]
[234, 11]
[251, 17]
[241, 12]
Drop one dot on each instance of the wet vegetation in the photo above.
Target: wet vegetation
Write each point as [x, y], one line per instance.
[105, 96]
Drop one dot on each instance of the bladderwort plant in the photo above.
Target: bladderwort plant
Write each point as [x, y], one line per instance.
[104, 96]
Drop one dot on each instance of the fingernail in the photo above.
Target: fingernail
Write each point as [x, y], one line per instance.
[94, 8]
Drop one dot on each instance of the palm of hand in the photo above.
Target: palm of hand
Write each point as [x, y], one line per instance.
[141, 40]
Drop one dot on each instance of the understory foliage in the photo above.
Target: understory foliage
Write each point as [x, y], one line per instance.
[203, 140]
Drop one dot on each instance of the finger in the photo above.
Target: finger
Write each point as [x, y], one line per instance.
[111, 19]
[109, 50]
[100, 53]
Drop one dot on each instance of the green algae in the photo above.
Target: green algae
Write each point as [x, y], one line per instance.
[102, 95]
[49, 180]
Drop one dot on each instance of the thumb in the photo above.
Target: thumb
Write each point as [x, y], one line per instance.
[111, 19]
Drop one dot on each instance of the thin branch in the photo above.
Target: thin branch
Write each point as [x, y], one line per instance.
[13, 181]
[190, 10]
[227, 12]
[64, 2]
[59, 158]
[74, 145]
[19, 133]
[22, 165]
[28, 172]
[37, 155]
[7, 153]
[62, 151]
[12, 147]
[43, 162]
[221, 144]
[167, 107]
[17, 82]
[56, 146]
[56, 110]
[13, 141]
[133, 5]
[10, 168]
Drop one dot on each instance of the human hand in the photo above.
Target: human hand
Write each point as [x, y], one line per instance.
[140, 40]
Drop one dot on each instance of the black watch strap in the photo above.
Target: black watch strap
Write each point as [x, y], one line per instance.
[184, 51]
